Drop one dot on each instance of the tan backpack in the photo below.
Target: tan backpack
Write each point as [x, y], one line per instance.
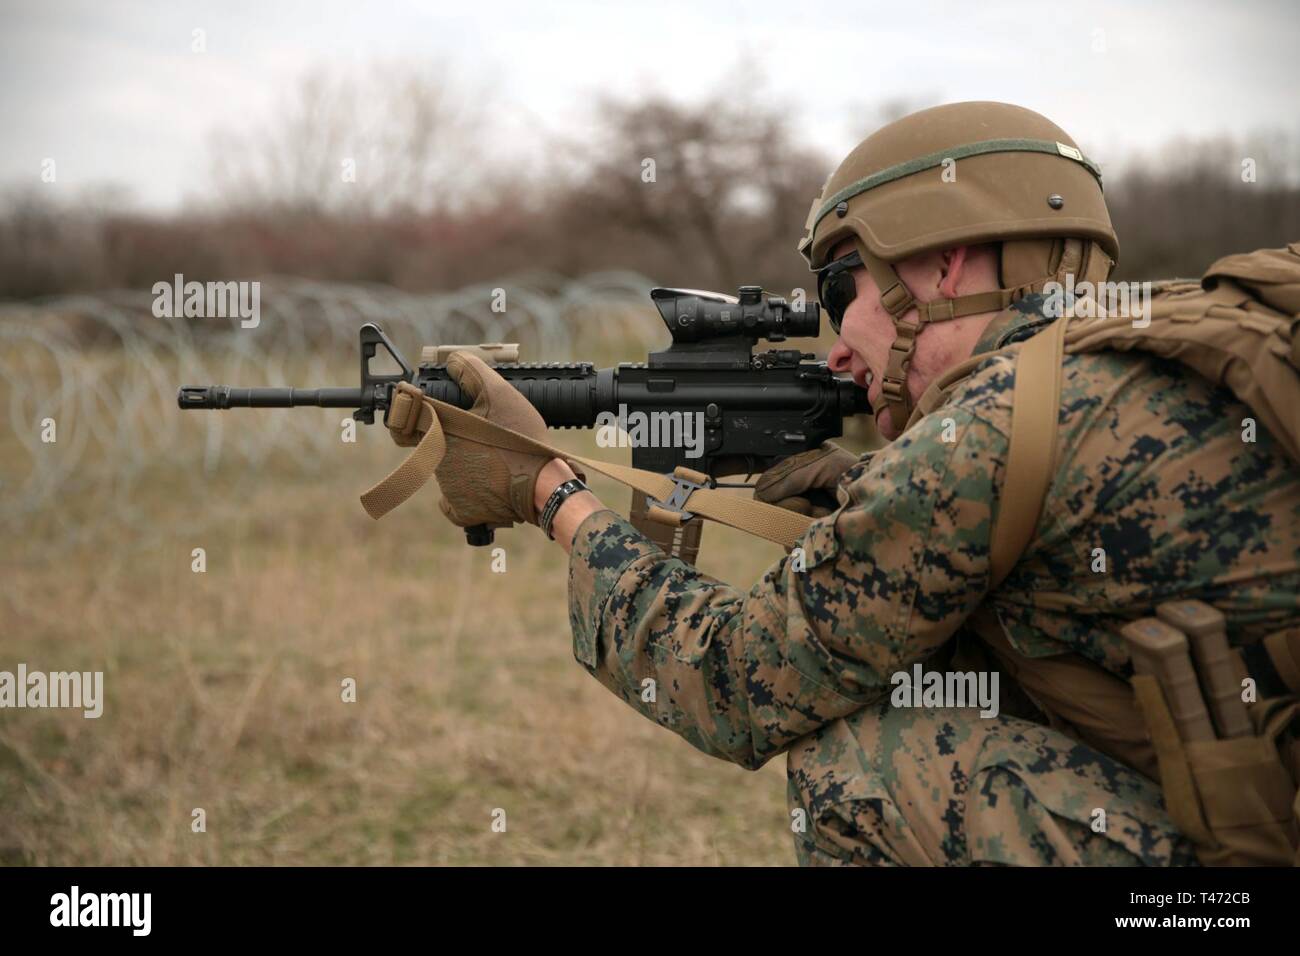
[1238, 327]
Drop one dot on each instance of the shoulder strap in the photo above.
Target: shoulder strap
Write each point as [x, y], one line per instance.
[1035, 408]
[438, 419]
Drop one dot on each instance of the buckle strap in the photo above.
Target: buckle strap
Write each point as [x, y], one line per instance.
[894, 295]
[894, 385]
[672, 510]
[941, 310]
[897, 300]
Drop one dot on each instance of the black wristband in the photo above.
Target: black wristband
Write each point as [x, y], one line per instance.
[558, 497]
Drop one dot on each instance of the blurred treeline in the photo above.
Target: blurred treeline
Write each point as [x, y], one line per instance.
[425, 205]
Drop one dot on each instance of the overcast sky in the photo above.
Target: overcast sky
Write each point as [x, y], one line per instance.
[112, 91]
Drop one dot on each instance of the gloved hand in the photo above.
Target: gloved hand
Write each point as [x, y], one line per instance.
[481, 484]
[806, 482]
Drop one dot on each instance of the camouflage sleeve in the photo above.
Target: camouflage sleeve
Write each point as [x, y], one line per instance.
[880, 584]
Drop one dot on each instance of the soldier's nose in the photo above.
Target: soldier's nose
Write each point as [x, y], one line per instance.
[840, 357]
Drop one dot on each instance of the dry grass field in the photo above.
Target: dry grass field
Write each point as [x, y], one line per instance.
[223, 688]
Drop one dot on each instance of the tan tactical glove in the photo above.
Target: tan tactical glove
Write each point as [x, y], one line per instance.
[806, 482]
[481, 484]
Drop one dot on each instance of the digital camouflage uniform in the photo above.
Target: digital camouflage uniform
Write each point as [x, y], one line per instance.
[1151, 468]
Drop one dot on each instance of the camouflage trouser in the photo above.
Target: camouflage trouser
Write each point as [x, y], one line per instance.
[944, 787]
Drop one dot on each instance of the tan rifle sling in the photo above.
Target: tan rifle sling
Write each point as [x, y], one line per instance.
[686, 491]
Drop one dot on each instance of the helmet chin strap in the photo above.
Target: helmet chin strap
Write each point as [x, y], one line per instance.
[898, 301]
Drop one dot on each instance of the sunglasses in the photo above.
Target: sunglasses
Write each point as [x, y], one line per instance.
[836, 287]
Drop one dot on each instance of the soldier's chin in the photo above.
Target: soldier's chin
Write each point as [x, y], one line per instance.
[885, 423]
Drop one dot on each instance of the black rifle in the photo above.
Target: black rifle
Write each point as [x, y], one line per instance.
[755, 408]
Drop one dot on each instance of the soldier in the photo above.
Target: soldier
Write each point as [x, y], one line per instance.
[933, 243]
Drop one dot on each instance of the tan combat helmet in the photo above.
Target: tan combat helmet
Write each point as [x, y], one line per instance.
[955, 175]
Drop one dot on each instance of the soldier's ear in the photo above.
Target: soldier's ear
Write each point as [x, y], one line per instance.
[952, 264]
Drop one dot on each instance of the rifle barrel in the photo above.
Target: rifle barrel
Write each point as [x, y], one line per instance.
[224, 396]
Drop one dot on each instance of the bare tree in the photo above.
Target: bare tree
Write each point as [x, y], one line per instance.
[395, 139]
[720, 188]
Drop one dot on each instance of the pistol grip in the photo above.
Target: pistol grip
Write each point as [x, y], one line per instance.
[479, 535]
